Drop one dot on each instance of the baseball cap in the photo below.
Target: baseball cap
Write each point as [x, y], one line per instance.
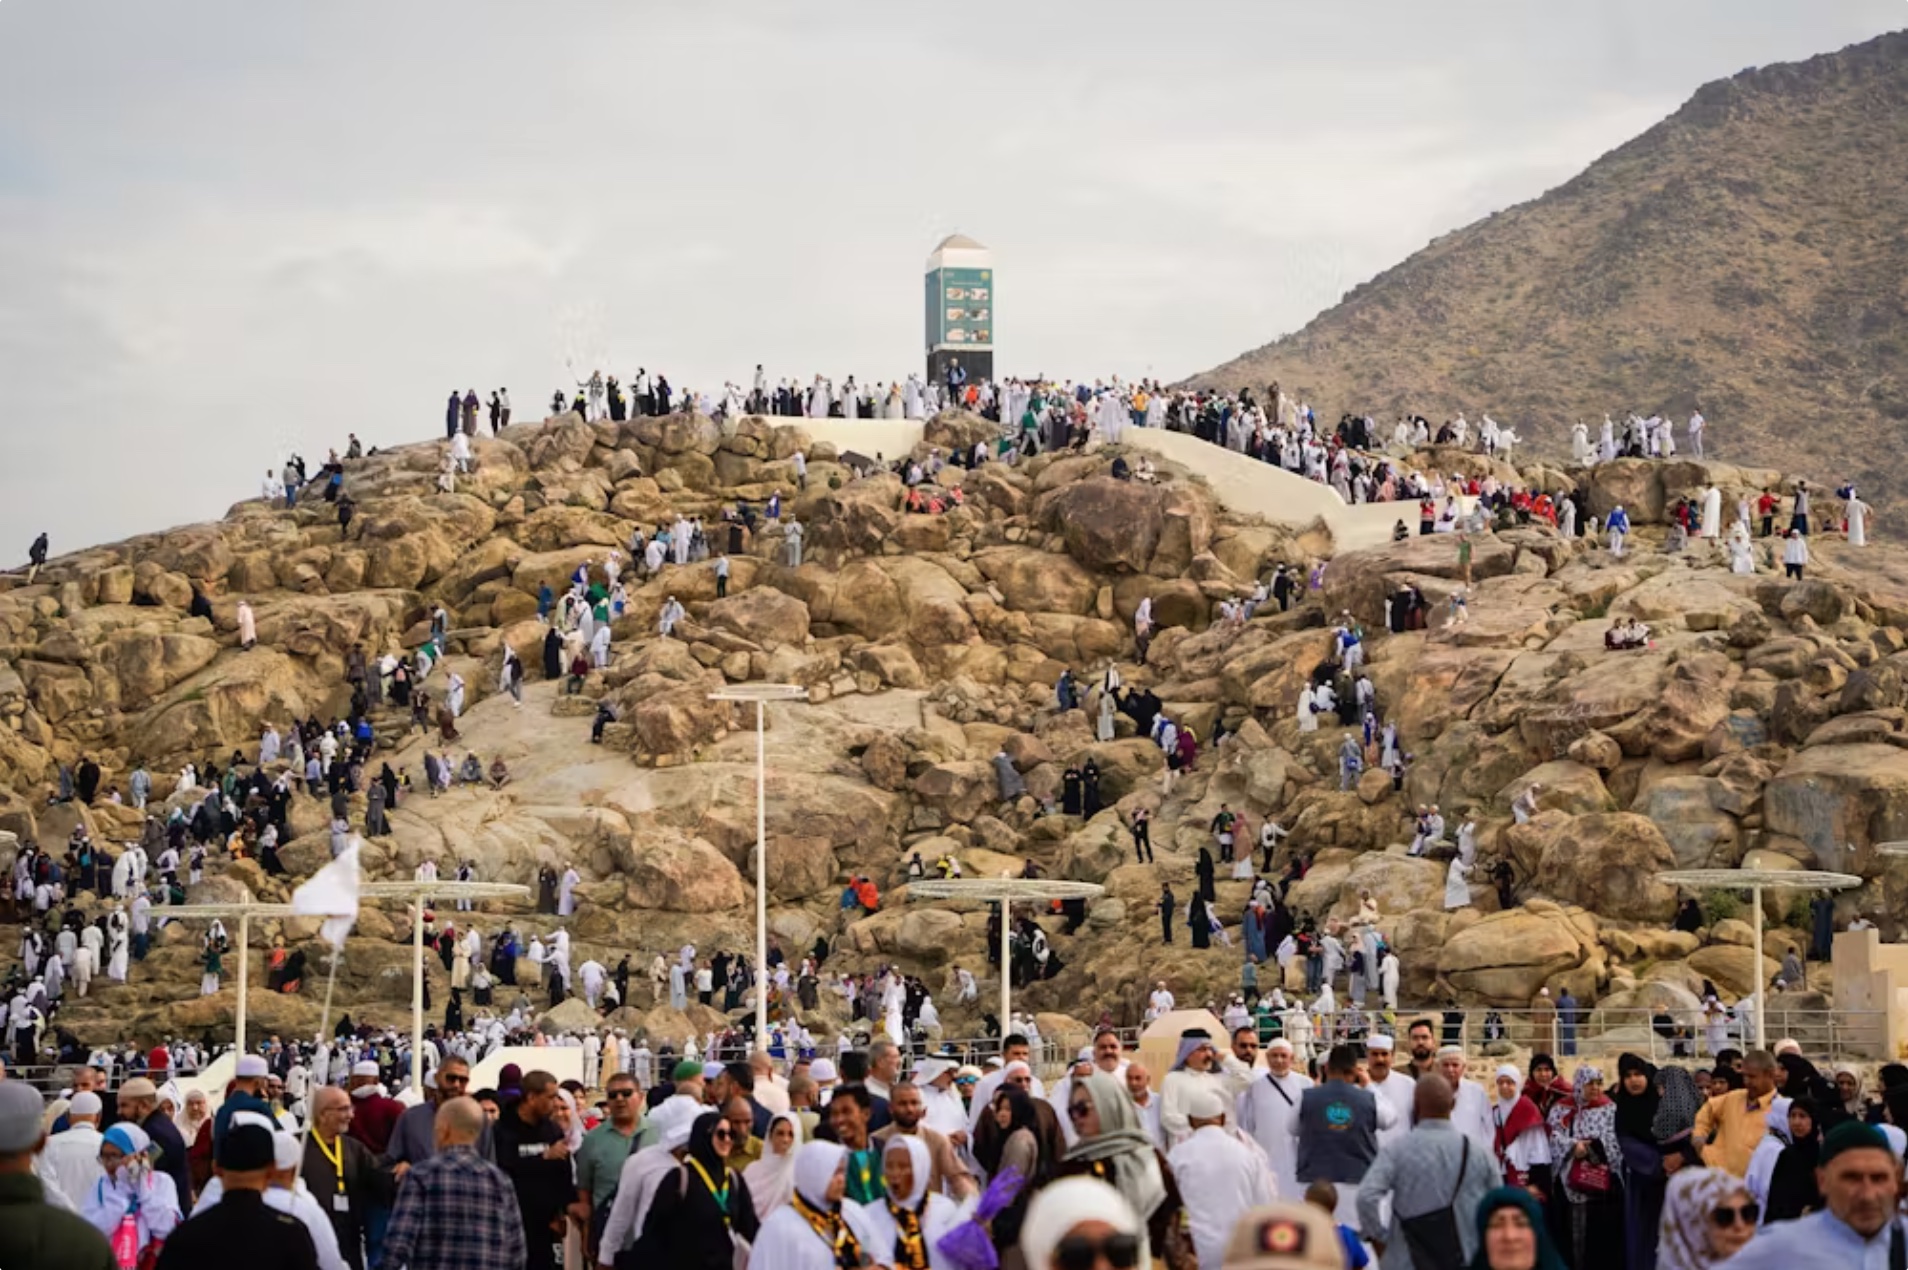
[1285, 1237]
[21, 1108]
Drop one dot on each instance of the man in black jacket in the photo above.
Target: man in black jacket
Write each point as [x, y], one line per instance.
[240, 1230]
[532, 1152]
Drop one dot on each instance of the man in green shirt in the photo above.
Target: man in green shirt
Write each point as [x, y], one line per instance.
[599, 1161]
[848, 1113]
[32, 1231]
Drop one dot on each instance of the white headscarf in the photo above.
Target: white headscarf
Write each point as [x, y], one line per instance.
[1067, 1203]
[771, 1179]
[874, 1224]
[816, 1164]
[574, 1134]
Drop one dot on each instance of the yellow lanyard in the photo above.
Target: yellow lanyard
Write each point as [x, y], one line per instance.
[721, 1196]
[336, 1156]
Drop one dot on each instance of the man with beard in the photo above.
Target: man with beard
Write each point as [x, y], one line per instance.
[907, 1107]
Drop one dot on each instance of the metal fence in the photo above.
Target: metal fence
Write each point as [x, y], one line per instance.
[1822, 1034]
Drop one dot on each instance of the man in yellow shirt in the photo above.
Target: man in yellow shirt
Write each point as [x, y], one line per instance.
[1728, 1128]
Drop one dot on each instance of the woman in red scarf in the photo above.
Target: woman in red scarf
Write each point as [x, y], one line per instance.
[1523, 1141]
[1545, 1088]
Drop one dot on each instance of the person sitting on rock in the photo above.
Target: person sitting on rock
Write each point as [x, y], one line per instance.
[472, 771]
[499, 774]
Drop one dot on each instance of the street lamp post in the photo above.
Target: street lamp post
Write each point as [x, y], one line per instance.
[1756, 881]
[761, 694]
[417, 893]
[1003, 891]
[244, 910]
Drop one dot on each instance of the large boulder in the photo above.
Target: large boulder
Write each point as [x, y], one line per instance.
[763, 616]
[1503, 958]
[1038, 581]
[1608, 863]
[147, 663]
[664, 869]
[1832, 795]
[1361, 580]
[959, 790]
[1109, 526]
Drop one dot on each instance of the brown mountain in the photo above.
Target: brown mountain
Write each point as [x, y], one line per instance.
[1749, 253]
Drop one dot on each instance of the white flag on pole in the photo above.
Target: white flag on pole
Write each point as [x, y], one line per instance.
[332, 893]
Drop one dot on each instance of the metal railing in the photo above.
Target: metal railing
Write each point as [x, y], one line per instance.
[1822, 1034]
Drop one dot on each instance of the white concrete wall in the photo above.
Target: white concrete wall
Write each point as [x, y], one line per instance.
[565, 1062]
[1241, 483]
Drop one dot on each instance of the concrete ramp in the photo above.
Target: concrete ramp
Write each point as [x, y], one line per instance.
[1241, 483]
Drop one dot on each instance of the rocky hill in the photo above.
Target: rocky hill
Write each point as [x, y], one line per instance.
[1747, 254]
[1766, 716]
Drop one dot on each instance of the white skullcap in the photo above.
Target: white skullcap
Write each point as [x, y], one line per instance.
[1382, 1043]
[249, 1066]
[823, 1070]
[1788, 1045]
[86, 1104]
[1205, 1104]
[1507, 1072]
[285, 1150]
[1015, 1068]
[1280, 1043]
[1451, 1051]
[366, 1068]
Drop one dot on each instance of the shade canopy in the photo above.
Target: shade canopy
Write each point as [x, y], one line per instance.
[988, 890]
[1766, 879]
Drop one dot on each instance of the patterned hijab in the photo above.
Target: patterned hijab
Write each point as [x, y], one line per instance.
[1682, 1237]
[1676, 1110]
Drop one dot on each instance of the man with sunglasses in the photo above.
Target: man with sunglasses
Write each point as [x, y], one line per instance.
[599, 1161]
[414, 1137]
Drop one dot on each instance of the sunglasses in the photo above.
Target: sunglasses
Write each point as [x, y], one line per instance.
[619, 1093]
[1077, 1252]
[459, 1081]
[1078, 1110]
[1747, 1214]
[722, 1135]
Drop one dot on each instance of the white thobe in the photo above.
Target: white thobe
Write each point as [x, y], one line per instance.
[1472, 1116]
[566, 893]
[1220, 1179]
[1712, 513]
[1268, 1110]
[1179, 1086]
[1397, 1091]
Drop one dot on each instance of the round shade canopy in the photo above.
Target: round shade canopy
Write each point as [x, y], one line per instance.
[236, 908]
[442, 890]
[1767, 879]
[759, 692]
[990, 889]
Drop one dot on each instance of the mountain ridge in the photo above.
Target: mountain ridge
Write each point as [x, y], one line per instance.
[1748, 255]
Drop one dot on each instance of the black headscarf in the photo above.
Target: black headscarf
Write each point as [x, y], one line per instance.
[1676, 1108]
[702, 1143]
[1635, 1113]
[1021, 1115]
[1792, 1189]
[1803, 1081]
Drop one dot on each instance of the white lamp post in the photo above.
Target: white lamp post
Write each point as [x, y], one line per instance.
[761, 694]
[1003, 891]
[417, 893]
[1756, 881]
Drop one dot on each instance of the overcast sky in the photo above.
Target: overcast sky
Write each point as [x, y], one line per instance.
[229, 229]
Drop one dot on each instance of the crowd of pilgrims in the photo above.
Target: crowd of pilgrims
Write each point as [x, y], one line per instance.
[863, 1159]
